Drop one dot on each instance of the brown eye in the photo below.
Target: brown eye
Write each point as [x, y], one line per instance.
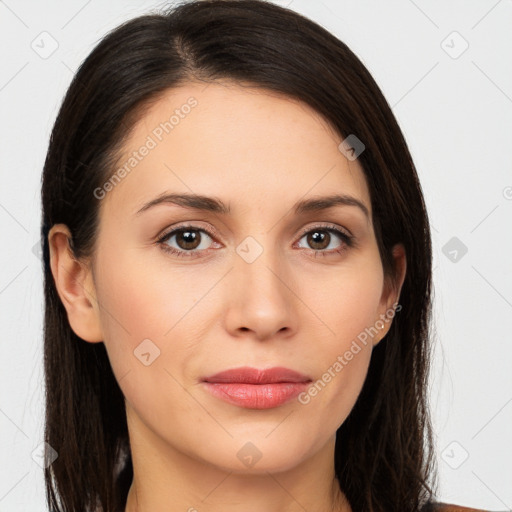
[318, 239]
[186, 241]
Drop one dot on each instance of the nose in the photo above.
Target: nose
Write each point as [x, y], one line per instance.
[260, 299]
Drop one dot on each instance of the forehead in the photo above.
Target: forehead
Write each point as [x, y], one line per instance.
[232, 140]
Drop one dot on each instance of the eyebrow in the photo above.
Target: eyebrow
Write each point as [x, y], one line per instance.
[215, 205]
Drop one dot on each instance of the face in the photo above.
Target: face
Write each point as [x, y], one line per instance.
[251, 280]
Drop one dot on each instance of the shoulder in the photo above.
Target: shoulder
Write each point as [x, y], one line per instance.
[448, 507]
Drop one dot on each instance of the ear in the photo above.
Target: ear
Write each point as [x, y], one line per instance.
[391, 293]
[75, 286]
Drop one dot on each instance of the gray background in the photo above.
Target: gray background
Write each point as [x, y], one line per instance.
[454, 105]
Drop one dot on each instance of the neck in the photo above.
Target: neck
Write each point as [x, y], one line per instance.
[166, 479]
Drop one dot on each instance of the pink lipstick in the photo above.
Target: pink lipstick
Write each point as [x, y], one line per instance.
[256, 389]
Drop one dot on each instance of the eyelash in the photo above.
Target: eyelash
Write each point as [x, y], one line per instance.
[348, 240]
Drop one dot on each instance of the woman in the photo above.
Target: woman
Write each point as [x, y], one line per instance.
[237, 275]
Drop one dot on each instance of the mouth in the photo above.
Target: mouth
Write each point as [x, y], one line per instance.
[252, 388]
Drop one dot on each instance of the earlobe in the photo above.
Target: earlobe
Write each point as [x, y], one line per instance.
[73, 280]
[391, 293]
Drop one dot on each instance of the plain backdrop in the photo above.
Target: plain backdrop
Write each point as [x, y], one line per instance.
[445, 68]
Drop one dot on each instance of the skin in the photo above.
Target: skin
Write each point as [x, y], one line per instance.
[259, 152]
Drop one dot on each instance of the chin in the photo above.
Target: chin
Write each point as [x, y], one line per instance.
[257, 456]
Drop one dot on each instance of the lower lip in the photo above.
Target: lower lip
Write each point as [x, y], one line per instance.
[256, 396]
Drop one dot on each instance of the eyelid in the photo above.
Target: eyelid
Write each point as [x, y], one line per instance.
[327, 226]
[186, 225]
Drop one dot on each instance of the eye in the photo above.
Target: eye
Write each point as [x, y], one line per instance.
[189, 241]
[320, 238]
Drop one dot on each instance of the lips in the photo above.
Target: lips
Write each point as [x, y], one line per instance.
[247, 375]
[252, 388]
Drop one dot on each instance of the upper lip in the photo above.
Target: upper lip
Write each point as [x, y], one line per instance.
[247, 375]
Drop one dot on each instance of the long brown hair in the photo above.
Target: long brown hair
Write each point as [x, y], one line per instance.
[384, 450]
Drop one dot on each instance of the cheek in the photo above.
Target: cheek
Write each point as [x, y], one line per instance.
[142, 300]
[331, 398]
[347, 304]
[346, 300]
[148, 317]
[341, 364]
